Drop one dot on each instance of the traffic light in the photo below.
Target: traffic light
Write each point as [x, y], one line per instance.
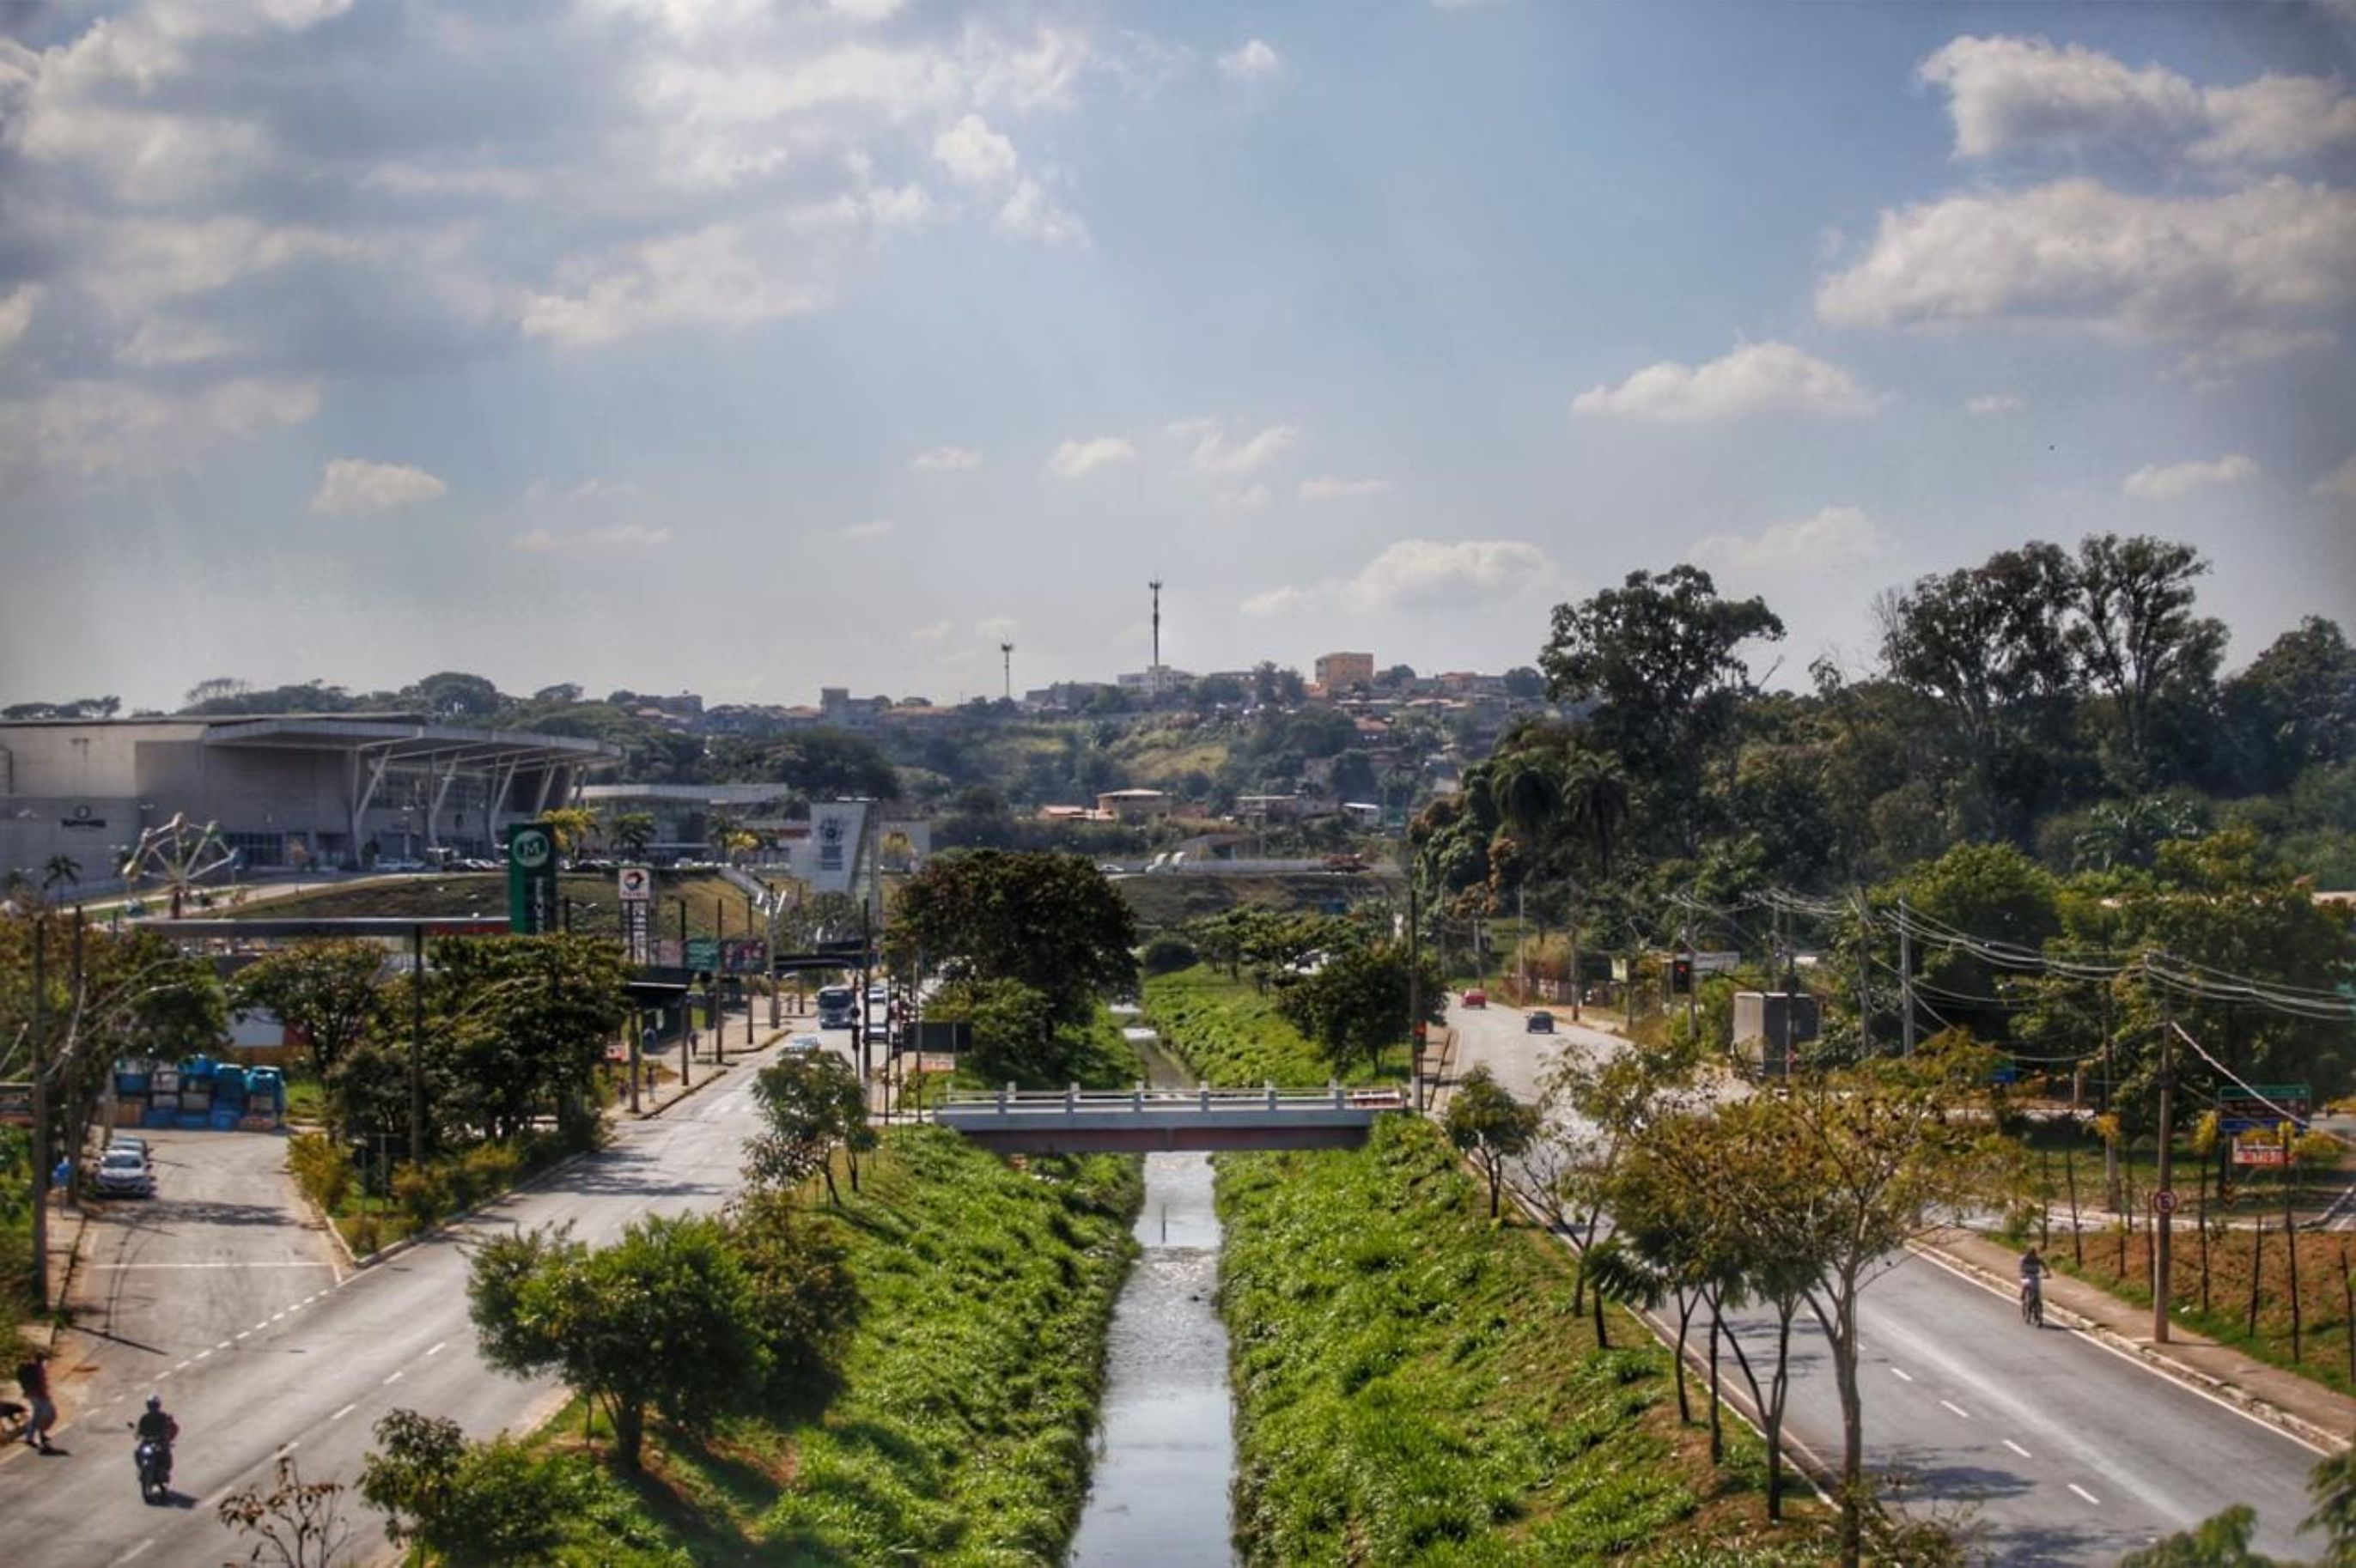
[1681, 975]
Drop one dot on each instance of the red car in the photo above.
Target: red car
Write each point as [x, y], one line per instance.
[1475, 999]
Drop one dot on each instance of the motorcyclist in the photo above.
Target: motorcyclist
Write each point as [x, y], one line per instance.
[2033, 1270]
[160, 1429]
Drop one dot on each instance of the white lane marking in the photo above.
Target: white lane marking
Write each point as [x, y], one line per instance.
[202, 1354]
[437, 1349]
[222, 1346]
[2017, 1449]
[1900, 1372]
[137, 1550]
[2085, 1494]
[1958, 1409]
[345, 1411]
[243, 1334]
[183, 1366]
[391, 1381]
[288, 1447]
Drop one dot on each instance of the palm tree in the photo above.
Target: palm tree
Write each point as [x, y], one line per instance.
[60, 870]
[571, 825]
[633, 830]
[1595, 798]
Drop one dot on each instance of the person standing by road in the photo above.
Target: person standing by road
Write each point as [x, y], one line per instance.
[33, 1377]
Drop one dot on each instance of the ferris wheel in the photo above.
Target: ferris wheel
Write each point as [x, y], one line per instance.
[177, 855]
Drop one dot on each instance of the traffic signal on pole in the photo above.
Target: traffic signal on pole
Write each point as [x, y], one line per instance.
[1681, 975]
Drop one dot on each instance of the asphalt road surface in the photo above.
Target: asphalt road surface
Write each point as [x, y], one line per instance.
[312, 1376]
[2062, 1450]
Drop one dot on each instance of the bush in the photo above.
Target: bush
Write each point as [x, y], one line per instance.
[482, 1172]
[1168, 955]
[423, 1192]
[323, 1169]
[467, 1503]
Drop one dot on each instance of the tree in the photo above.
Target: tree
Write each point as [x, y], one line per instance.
[1485, 1121]
[633, 831]
[1524, 684]
[2135, 636]
[60, 870]
[1051, 922]
[1357, 1004]
[1017, 1039]
[573, 826]
[662, 1321]
[523, 1022]
[324, 991]
[2295, 707]
[453, 695]
[474, 1505]
[294, 1523]
[813, 1104]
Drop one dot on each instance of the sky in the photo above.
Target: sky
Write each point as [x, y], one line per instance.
[751, 346]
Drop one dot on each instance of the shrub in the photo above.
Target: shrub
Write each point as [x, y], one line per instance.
[423, 1192]
[1168, 955]
[323, 1168]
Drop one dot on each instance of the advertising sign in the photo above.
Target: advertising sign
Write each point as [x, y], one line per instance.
[16, 1104]
[637, 884]
[2263, 1107]
[532, 878]
[745, 955]
[2247, 1151]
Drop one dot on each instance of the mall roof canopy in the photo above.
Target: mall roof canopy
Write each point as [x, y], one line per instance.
[410, 742]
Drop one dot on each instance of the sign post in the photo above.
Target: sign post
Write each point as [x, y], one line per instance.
[637, 888]
[531, 879]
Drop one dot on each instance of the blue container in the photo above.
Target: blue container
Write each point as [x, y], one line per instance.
[131, 1085]
[269, 1076]
[193, 1121]
[228, 1074]
[198, 1070]
[225, 1118]
[160, 1116]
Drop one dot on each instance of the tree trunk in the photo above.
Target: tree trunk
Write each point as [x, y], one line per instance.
[2290, 1254]
[2045, 1200]
[629, 1432]
[1602, 1337]
[1841, 1333]
[1685, 1318]
[826, 1168]
[2204, 1238]
[1716, 1423]
[1773, 1413]
[2070, 1173]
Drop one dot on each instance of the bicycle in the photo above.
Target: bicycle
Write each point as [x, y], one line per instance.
[2032, 1303]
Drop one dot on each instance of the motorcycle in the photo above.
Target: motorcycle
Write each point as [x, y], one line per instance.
[153, 1459]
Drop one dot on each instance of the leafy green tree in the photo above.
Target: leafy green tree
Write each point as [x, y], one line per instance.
[813, 1104]
[1017, 1039]
[325, 991]
[2295, 707]
[809, 1300]
[523, 1021]
[1485, 1121]
[663, 1320]
[632, 831]
[472, 1505]
[1051, 922]
[60, 871]
[1357, 1004]
[574, 826]
[2136, 639]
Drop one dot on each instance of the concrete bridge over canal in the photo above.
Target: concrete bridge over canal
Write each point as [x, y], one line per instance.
[1075, 1121]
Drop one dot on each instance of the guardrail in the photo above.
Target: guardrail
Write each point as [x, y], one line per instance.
[1010, 1101]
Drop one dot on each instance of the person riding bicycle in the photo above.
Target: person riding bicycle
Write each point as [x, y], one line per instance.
[2033, 1270]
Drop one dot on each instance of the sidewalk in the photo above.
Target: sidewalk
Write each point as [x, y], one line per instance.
[2300, 1406]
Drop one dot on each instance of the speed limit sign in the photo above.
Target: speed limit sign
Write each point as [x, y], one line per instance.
[2164, 1202]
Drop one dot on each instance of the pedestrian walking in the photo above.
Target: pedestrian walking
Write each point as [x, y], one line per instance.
[33, 1377]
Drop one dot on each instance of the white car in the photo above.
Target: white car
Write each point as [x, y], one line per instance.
[805, 1044]
[124, 1173]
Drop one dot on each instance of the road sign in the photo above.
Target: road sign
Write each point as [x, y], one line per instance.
[532, 878]
[637, 884]
[2263, 1107]
[2163, 1201]
[703, 953]
[16, 1104]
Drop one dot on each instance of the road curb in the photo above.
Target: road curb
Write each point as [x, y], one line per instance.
[2256, 1406]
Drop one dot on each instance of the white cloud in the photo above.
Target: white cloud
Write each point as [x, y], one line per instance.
[1255, 61]
[353, 486]
[2077, 253]
[90, 428]
[1279, 601]
[947, 457]
[1838, 536]
[937, 631]
[1994, 403]
[618, 535]
[712, 276]
[1029, 213]
[16, 314]
[1213, 454]
[2340, 482]
[2012, 94]
[2154, 483]
[874, 529]
[974, 153]
[1330, 489]
[1077, 459]
[1252, 499]
[1757, 378]
[1415, 572]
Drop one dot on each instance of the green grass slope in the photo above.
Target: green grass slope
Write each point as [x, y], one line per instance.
[1229, 1034]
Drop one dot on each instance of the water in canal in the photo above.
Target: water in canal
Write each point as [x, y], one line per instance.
[1165, 1449]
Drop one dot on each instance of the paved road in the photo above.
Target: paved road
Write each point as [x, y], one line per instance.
[317, 1375]
[224, 1245]
[2067, 1451]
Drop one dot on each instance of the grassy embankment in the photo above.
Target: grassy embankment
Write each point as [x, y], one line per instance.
[1166, 900]
[1229, 1033]
[714, 905]
[958, 1432]
[1412, 1385]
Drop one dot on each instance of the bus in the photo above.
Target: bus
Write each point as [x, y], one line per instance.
[838, 1006]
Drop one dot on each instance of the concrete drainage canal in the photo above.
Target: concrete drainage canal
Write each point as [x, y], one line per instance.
[1165, 1446]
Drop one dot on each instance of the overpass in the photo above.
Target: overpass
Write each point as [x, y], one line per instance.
[1139, 1121]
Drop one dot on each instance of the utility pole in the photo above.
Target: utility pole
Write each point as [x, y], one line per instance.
[40, 1115]
[1864, 975]
[1905, 981]
[748, 989]
[1006, 656]
[2163, 1223]
[1693, 982]
[417, 1044]
[1414, 996]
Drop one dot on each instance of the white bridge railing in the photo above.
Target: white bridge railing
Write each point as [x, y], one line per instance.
[1073, 1101]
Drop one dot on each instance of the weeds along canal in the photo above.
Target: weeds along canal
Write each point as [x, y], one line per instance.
[1165, 1447]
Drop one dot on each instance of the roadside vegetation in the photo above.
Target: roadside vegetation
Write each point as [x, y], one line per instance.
[1229, 1034]
[1416, 1384]
[923, 1358]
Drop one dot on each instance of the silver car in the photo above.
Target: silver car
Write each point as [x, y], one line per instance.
[124, 1173]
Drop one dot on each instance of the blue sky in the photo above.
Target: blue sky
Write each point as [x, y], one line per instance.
[748, 346]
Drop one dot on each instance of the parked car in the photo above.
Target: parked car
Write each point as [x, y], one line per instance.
[135, 1144]
[1539, 1022]
[1475, 999]
[805, 1044]
[124, 1173]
